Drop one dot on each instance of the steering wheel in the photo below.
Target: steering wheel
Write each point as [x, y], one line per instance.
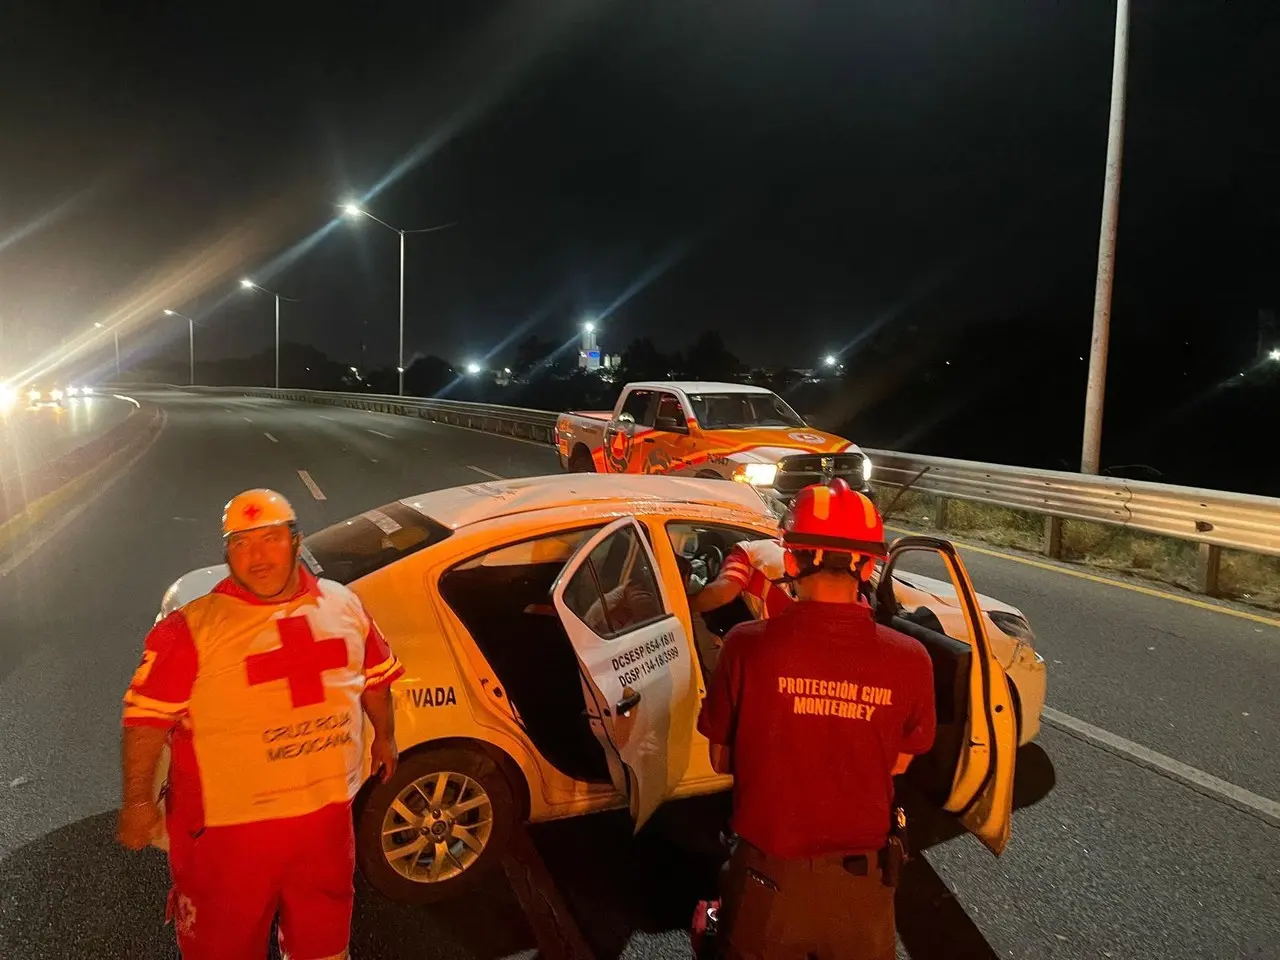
[712, 558]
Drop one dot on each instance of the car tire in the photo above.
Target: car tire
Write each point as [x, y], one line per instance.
[468, 772]
[581, 462]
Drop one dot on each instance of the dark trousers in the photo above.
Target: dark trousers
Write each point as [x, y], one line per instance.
[823, 908]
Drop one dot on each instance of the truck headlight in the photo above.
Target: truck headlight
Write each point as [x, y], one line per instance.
[756, 474]
[866, 469]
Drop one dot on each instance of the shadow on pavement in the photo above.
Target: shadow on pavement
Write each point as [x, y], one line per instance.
[75, 894]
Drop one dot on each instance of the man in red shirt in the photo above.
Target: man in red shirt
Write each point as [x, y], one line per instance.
[814, 711]
[260, 689]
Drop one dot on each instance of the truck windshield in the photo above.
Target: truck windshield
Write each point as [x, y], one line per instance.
[729, 411]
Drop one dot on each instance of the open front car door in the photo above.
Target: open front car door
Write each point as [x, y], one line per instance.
[969, 771]
[637, 673]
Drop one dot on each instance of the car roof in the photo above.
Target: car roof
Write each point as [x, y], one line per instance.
[458, 507]
[698, 386]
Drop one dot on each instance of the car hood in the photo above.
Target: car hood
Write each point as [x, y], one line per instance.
[190, 586]
[944, 593]
[767, 445]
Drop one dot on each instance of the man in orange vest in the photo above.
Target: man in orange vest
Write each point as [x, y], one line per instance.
[260, 689]
[753, 570]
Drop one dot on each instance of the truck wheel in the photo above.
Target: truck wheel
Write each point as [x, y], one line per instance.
[438, 827]
[581, 461]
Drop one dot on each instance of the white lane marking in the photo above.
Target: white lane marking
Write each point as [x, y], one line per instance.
[486, 473]
[380, 433]
[330, 419]
[246, 420]
[129, 399]
[1195, 778]
[270, 437]
[311, 485]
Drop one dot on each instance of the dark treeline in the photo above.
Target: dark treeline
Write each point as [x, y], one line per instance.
[1171, 419]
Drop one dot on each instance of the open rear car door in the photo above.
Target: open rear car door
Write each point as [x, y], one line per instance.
[969, 771]
[636, 669]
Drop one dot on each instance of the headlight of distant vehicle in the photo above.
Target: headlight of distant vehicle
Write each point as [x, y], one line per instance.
[756, 474]
[86, 391]
[55, 394]
[1014, 625]
[73, 391]
[33, 396]
[866, 469]
[7, 395]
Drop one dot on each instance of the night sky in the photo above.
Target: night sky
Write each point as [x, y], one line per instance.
[793, 174]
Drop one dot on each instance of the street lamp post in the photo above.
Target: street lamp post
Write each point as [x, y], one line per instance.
[354, 210]
[1091, 451]
[116, 335]
[248, 284]
[191, 341]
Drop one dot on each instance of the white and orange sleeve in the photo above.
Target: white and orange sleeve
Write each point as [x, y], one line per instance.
[381, 665]
[160, 692]
[736, 567]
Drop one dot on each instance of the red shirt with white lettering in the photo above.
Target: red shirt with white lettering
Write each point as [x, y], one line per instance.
[816, 704]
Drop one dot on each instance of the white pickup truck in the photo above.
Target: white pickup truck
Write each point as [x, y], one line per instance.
[724, 430]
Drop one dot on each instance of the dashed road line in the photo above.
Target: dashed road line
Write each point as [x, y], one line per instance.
[330, 419]
[246, 420]
[1191, 776]
[311, 485]
[486, 473]
[270, 437]
[380, 433]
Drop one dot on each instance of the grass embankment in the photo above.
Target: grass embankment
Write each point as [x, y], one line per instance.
[1246, 577]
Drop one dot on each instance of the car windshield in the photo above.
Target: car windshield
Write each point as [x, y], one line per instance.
[728, 411]
[357, 547]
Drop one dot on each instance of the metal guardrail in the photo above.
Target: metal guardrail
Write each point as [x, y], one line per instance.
[1214, 519]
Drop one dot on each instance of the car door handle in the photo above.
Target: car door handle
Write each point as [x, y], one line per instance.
[627, 704]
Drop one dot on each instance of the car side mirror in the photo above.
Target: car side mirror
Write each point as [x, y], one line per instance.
[671, 425]
[626, 418]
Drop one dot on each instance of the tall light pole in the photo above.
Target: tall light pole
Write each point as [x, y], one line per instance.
[1092, 447]
[248, 284]
[116, 334]
[191, 341]
[354, 210]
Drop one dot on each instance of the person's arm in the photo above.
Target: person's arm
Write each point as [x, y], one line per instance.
[732, 579]
[381, 669]
[156, 701]
[718, 718]
[922, 721]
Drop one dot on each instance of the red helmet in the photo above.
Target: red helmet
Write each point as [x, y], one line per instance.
[834, 517]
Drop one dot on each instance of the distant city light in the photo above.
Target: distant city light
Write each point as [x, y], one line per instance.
[98, 325]
[507, 371]
[169, 313]
[355, 371]
[830, 360]
[473, 368]
[399, 369]
[247, 283]
[1275, 354]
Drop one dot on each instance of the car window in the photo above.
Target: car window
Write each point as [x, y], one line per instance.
[669, 408]
[639, 404]
[357, 547]
[615, 590]
[729, 411]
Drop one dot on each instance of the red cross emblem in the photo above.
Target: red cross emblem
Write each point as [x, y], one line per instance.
[252, 511]
[301, 659]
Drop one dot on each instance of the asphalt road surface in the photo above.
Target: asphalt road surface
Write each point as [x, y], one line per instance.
[1110, 855]
[30, 436]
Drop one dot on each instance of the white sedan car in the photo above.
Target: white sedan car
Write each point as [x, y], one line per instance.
[531, 693]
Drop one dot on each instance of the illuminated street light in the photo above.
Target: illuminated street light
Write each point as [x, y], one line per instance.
[1274, 354]
[116, 334]
[588, 326]
[248, 284]
[473, 368]
[353, 211]
[830, 360]
[191, 341]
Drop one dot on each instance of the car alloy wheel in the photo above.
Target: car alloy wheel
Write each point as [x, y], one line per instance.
[437, 827]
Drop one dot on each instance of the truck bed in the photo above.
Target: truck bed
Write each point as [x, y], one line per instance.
[592, 414]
